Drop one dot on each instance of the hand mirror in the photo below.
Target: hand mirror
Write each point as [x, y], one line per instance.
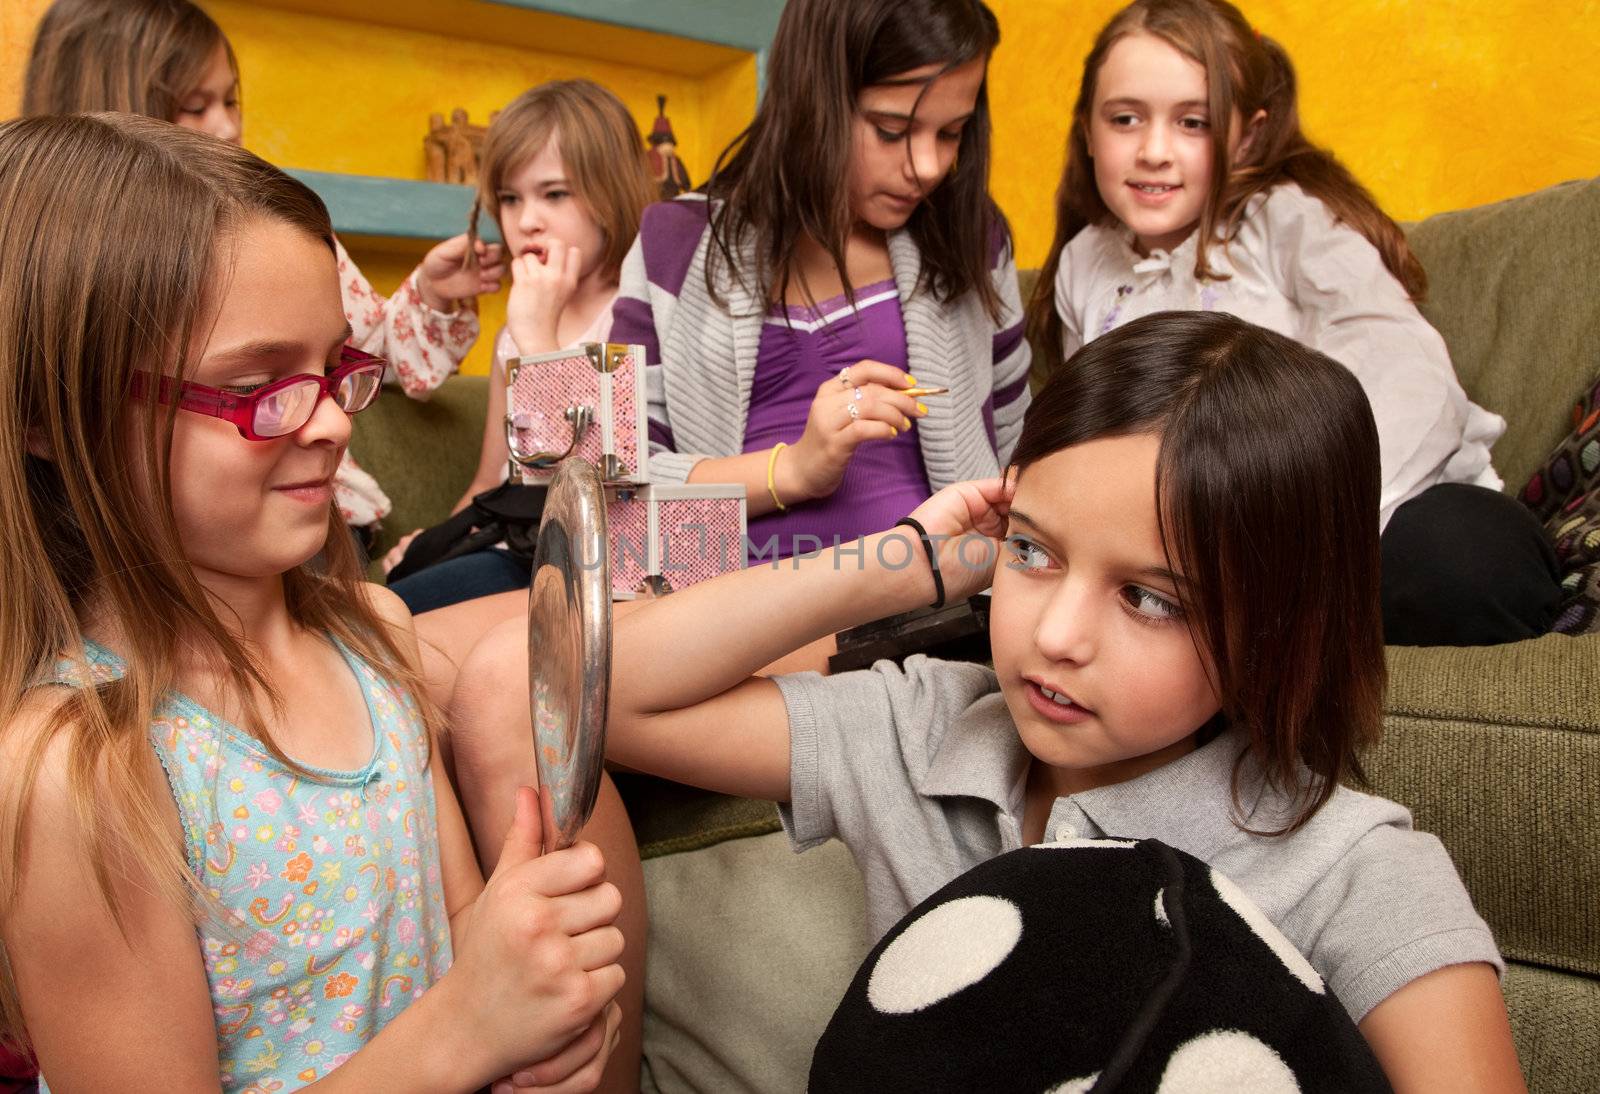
[569, 649]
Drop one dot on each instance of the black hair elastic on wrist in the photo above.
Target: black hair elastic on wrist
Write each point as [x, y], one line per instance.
[933, 559]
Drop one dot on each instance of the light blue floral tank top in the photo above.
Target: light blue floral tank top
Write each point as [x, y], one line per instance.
[332, 903]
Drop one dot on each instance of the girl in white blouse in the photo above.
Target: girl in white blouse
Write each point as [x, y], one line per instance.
[1192, 189]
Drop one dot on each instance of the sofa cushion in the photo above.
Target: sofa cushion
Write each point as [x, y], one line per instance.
[751, 947]
[1496, 750]
[1555, 1021]
[1512, 290]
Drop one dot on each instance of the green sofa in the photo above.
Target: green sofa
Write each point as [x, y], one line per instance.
[1496, 750]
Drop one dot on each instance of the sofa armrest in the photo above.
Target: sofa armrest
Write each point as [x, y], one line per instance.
[1496, 750]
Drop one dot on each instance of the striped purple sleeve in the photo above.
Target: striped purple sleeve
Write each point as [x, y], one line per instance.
[661, 434]
[669, 234]
[1005, 341]
[1005, 344]
[633, 324]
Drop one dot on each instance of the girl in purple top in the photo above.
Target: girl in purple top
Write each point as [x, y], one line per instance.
[845, 251]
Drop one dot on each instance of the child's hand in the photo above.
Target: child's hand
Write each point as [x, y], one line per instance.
[822, 453]
[444, 277]
[539, 964]
[398, 551]
[967, 521]
[540, 289]
[578, 1067]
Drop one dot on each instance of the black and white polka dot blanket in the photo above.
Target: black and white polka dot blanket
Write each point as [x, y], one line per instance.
[1090, 965]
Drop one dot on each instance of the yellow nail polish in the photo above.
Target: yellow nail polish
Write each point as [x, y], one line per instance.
[922, 407]
[911, 381]
[893, 433]
[905, 422]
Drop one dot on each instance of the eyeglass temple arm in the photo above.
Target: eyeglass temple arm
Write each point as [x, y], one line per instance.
[191, 396]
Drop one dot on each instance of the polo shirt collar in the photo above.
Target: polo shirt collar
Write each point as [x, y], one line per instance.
[1187, 803]
[979, 756]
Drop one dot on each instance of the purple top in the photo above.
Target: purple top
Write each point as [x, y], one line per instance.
[704, 343]
[885, 480]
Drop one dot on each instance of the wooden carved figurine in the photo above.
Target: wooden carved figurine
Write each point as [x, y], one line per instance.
[665, 166]
[453, 150]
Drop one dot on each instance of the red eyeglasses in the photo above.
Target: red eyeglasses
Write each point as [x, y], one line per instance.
[281, 407]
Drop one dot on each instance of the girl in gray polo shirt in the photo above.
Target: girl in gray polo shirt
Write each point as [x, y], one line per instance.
[1187, 647]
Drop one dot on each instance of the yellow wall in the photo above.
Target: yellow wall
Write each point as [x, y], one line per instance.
[1434, 104]
[17, 20]
[336, 95]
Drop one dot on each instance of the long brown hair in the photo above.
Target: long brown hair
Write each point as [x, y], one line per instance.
[1267, 498]
[600, 150]
[132, 56]
[784, 177]
[1246, 72]
[112, 226]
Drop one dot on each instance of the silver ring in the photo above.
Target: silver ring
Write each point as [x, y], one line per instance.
[855, 414]
[859, 396]
[844, 377]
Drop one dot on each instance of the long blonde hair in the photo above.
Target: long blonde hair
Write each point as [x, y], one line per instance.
[1246, 72]
[132, 56]
[600, 148]
[113, 227]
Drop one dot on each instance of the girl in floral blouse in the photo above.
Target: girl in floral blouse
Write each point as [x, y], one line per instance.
[168, 59]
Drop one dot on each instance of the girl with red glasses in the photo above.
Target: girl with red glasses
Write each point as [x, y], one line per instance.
[168, 59]
[229, 853]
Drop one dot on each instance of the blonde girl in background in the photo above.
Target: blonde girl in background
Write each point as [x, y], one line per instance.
[168, 59]
[229, 854]
[1189, 184]
[563, 174]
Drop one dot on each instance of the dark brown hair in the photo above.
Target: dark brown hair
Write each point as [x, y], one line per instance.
[1246, 72]
[1267, 497]
[131, 56]
[600, 151]
[785, 176]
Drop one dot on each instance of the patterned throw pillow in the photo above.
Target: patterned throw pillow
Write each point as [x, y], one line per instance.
[1565, 494]
[1091, 964]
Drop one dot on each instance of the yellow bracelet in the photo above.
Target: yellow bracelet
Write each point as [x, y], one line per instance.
[772, 463]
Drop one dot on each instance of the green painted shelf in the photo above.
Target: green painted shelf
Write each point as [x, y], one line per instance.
[741, 24]
[362, 205]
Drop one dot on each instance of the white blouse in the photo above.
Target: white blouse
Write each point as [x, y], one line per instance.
[424, 348]
[1296, 270]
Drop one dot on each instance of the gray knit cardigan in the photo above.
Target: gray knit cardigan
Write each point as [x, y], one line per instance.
[701, 357]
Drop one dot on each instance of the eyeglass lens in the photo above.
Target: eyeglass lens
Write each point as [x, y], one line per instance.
[290, 407]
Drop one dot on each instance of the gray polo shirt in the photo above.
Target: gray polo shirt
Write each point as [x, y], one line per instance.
[920, 772]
